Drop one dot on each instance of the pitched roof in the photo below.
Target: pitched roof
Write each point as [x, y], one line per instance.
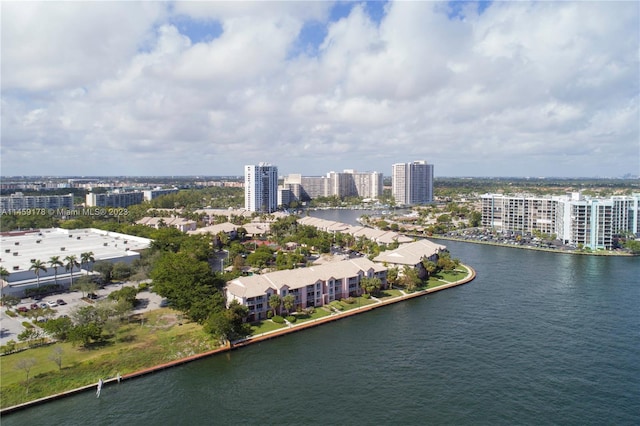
[257, 285]
[411, 253]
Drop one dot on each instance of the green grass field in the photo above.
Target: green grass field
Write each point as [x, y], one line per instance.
[158, 339]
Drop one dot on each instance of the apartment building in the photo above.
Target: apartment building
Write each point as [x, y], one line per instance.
[349, 183]
[114, 199]
[151, 194]
[312, 286]
[574, 219]
[412, 183]
[261, 188]
[19, 201]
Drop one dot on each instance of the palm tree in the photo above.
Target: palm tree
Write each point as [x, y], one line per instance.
[55, 263]
[72, 262]
[37, 266]
[4, 274]
[86, 258]
[274, 302]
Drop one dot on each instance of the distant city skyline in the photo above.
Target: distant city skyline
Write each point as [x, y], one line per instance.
[482, 89]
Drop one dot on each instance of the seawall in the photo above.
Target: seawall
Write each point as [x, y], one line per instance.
[240, 344]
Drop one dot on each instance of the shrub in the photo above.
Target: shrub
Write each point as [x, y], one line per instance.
[278, 319]
[269, 314]
[27, 324]
[349, 300]
[143, 286]
[310, 310]
[291, 318]
[366, 296]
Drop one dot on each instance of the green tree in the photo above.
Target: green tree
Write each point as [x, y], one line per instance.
[58, 328]
[55, 263]
[289, 302]
[4, 274]
[127, 294]
[274, 303]
[105, 269]
[228, 324]
[392, 276]
[261, 257]
[410, 278]
[121, 271]
[71, 262]
[37, 266]
[85, 333]
[87, 258]
[370, 285]
[86, 285]
[188, 284]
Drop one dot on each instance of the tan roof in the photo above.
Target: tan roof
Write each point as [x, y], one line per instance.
[257, 285]
[411, 253]
[226, 227]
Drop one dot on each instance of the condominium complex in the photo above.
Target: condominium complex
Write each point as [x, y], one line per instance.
[574, 219]
[313, 286]
[349, 183]
[19, 201]
[261, 188]
[114, 199]
[412, 183]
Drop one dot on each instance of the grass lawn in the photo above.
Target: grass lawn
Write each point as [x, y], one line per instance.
[388, 294]
[155, 338]
[265, 326]
[318, 313]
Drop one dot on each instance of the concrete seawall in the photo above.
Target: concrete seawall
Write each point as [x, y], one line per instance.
[240, 344]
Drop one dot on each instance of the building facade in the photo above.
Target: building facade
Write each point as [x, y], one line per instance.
[19, 201]
[349, 183]
[313, 286]
[261, 188]
[114, 199]
[574, 219]
[412, 183]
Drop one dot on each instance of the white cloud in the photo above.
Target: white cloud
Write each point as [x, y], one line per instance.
[523, 88]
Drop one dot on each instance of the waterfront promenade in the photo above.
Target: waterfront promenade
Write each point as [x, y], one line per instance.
[292, 328]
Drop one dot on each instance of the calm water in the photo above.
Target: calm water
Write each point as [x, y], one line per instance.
[537, 338]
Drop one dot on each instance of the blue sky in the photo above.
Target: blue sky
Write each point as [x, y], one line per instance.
[183, 88]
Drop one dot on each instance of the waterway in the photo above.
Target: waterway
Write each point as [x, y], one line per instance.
[536, 338]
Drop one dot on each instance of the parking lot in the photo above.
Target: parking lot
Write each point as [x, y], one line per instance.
[10, 327]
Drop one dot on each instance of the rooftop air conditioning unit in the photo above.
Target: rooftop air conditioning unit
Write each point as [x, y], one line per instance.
[61, 248]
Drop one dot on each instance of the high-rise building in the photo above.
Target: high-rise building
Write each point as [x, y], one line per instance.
[574, 219]
[412, 183]
[261, 188]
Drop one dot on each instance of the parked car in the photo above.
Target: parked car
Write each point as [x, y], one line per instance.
[34, 306]
[44, 305]
[23, 309]
[61, 302]
[92, 296]
[52, 304]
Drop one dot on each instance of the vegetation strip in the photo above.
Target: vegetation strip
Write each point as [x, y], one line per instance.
[250, 340]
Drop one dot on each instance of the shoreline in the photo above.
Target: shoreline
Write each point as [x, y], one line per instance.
[548, 250]
[245, 342]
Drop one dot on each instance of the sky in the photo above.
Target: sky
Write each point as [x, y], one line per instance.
[505, 88]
